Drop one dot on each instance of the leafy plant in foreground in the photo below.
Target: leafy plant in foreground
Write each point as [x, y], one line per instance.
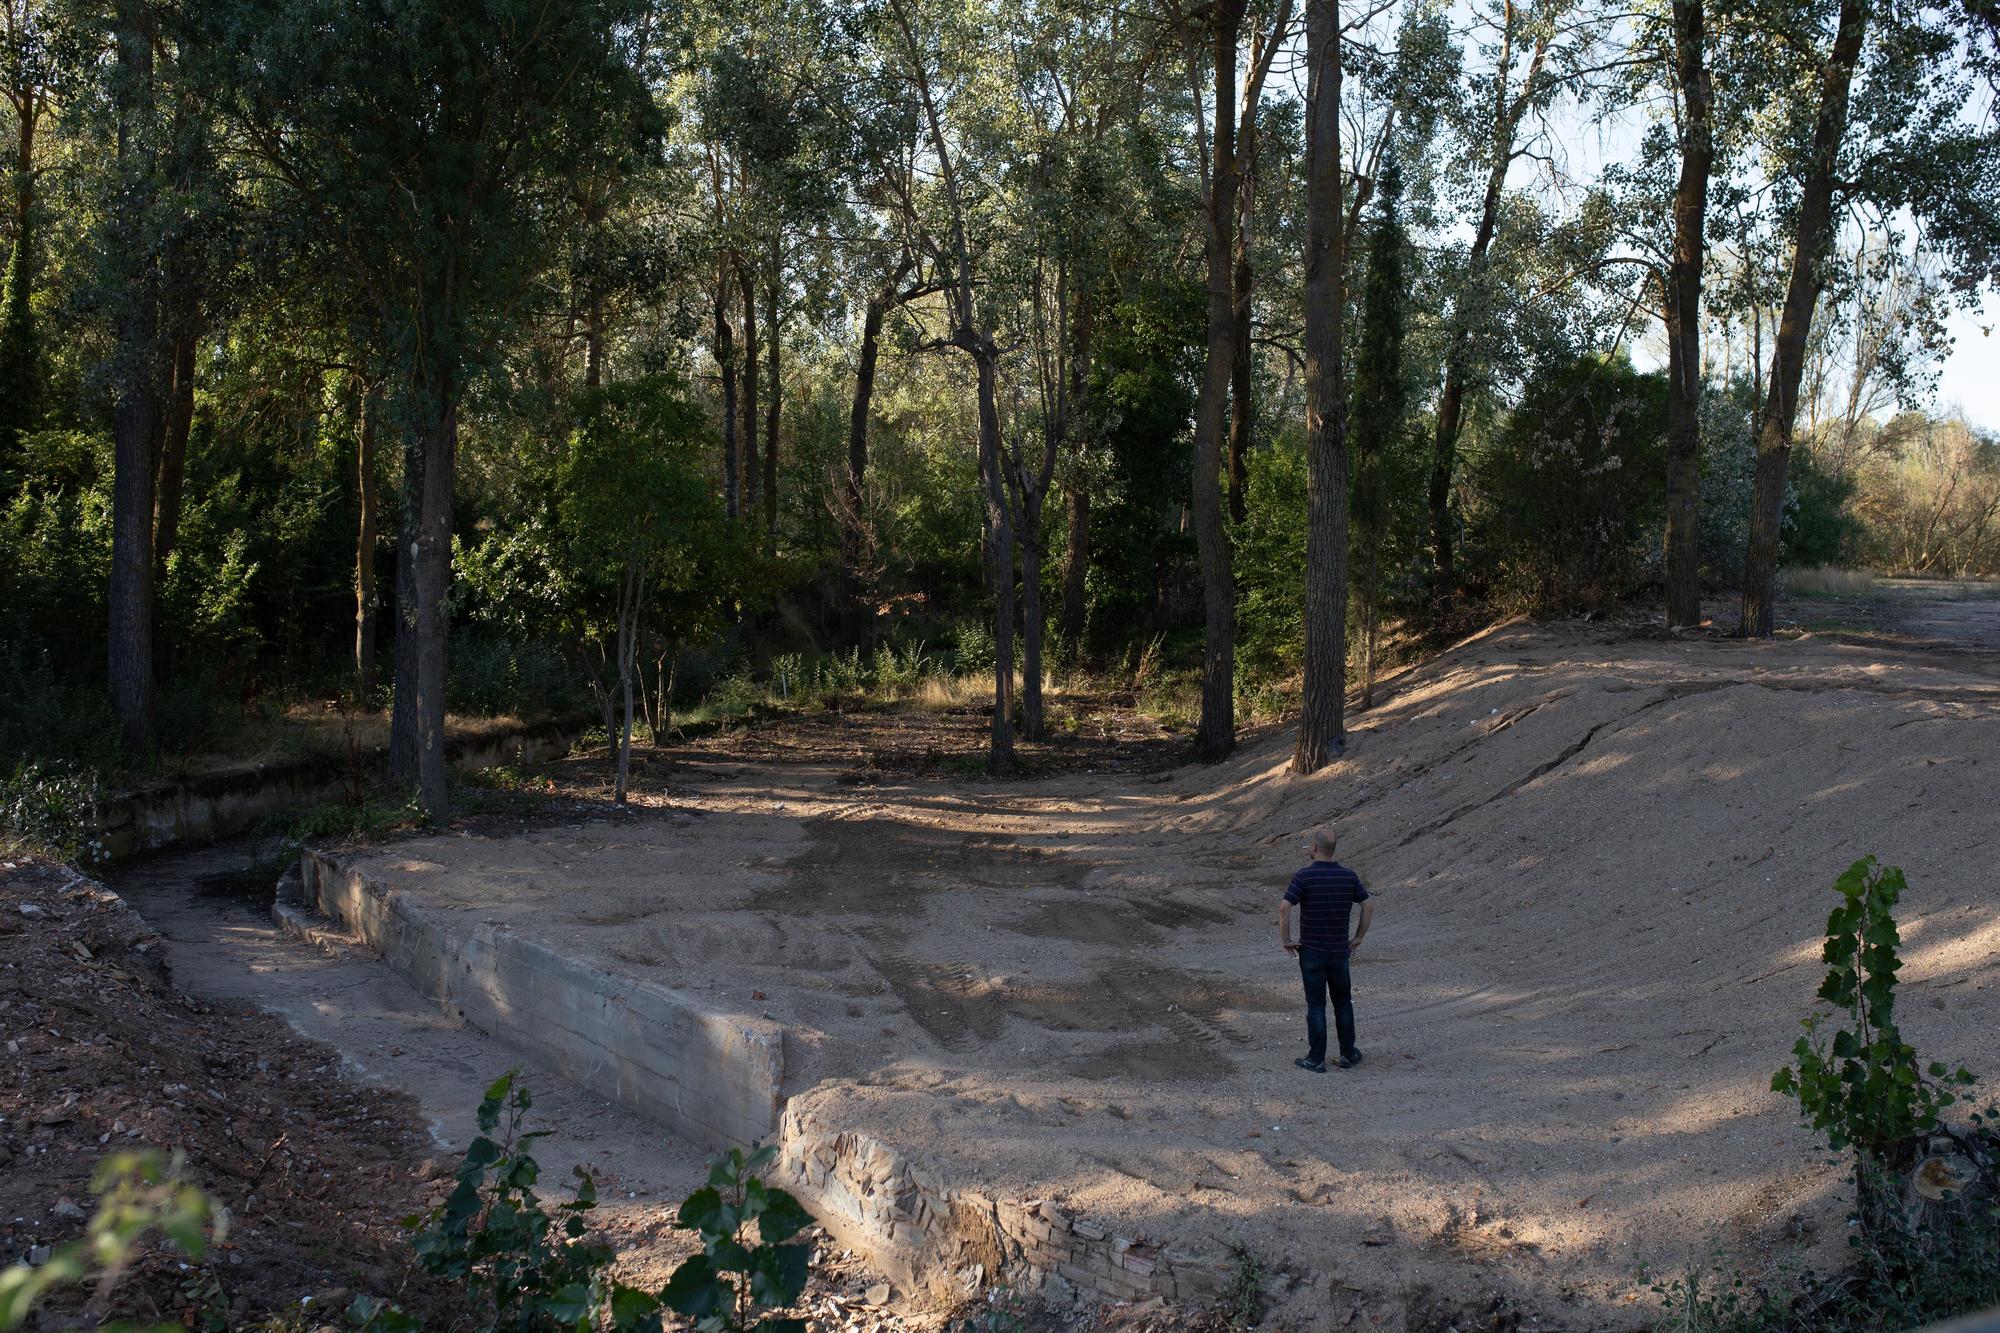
[1862, 1087]
[526, 1268]
[138, 1192]
[724, 1287]
[530, 1269]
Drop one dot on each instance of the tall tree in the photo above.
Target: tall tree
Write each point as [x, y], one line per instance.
[367, 414]
[1379, 405]
[944, 228]
[723, 349]
[419, 143]
[1682, 312]
[27, 78]
[1220, 182]
[1812, 242]
[135, 375]
[1322, 723]
[1497, 121]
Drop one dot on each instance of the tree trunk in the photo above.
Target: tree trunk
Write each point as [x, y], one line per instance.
[725, 362]
[171, 466]
[1683, 312]
[753, 467]
[1032, 725]
[1242, 392]
[1322, 726]
[1215, 736]
[136, 414]
[999, 556]
[1371, 600]
[1451, 402]
[774, 345]
[1076, 566]
[593, 339]
[20, 380]
[365, 600]
[627, 653]
[859, 616]
[1788, 348]
[423, 581]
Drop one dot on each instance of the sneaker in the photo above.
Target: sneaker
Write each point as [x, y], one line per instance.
[1349, 1061]
[1307, 1062]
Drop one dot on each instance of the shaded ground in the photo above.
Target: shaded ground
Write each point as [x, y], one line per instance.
[1088, 732]
[1603, 865]
[104, 1052]
[1935, 615]
[365, 1031]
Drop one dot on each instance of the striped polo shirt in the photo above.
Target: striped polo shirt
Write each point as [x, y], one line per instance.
[1325, 893]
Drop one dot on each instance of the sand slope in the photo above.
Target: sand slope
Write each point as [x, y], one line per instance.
[1603, 866]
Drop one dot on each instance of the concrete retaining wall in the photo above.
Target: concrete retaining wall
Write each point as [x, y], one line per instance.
[712, 1078]
[210, 805]
[716, 1079]
[953, 1242]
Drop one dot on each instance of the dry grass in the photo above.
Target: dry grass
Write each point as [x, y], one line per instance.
[1826, 581]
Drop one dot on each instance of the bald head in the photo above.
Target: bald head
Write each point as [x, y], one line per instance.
[1323, 840]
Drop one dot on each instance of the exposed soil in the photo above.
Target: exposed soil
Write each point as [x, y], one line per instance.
[1088, 732]
[1603, 864]
[104, 1052]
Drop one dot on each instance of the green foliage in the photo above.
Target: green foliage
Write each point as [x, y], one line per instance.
[50, 716]
[1819, 529]
[525, 1268]
[1570, 487]
[336, 820]
[529, 1268]
[52, 810]
[20, 359]
[137, 1193]
[494, 673]
[1243, 1303]
[732, 1284]
[1862, 1086]
[1271, 557]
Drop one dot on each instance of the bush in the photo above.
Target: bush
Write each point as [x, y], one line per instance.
[1818, 528]
[1572, 487]
[530, 1269]
[53, 810]
[1862, 1087]
[494, 674]
[46, 713]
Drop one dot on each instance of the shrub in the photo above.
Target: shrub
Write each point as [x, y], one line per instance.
[1572, 486]
[53, 810]
[525, 1268]
[494, 674]
[1862, 1087]
[530, 1269]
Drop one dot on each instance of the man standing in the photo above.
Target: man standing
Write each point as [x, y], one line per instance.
[1325, 893]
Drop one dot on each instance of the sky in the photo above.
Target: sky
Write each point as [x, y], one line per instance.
[1971, 377]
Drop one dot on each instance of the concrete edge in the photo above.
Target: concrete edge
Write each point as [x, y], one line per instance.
[713, 1078]
[716, 1079]
[210, 805]
[951, 1243]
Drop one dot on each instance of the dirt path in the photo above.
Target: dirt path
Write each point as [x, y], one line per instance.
[212, 904]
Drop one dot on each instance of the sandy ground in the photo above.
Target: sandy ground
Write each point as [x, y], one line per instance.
[370, 1029]
[1603, 864]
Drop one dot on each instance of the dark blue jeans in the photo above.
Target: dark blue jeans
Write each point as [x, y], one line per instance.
[1324, 972]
